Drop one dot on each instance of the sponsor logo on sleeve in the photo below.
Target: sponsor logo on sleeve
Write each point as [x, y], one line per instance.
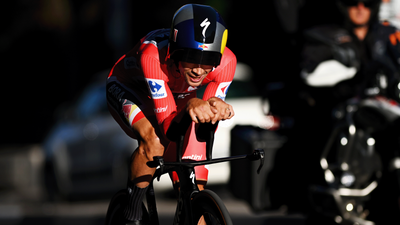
[116, 92]
[130, 63]
[157, 88]
[161, 109]
[130, 111]
[222, 90]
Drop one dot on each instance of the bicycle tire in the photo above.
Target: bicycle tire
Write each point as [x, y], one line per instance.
[116, 207]
[208, 204]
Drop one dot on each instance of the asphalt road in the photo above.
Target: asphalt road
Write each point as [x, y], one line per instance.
[22, 199]
[93, 212]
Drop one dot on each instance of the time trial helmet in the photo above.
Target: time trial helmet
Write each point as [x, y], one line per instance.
[198, 35]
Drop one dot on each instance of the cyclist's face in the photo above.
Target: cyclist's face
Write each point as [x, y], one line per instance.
[194, 73]
[359, 14]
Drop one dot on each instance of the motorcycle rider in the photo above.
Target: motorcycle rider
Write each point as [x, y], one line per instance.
[340, 61]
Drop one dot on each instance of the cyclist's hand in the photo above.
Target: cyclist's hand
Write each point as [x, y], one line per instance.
[221, 109]
[199, 110]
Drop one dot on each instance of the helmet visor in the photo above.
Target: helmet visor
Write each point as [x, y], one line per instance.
[198, 57]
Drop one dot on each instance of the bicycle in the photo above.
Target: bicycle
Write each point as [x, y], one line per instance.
[192, 203]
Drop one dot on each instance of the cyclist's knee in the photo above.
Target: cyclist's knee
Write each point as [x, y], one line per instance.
[150, 149]
[157, 151]
[149, 143]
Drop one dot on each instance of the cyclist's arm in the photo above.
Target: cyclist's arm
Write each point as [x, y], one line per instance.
[200, 111]
[217, 89]
[164, 105]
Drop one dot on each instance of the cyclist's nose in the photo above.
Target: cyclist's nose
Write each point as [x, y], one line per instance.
[198, 71]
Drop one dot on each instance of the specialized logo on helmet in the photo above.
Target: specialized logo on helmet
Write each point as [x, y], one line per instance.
[205, 25]
[157, 88]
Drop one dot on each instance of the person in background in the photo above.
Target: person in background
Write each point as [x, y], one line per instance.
[341, 61]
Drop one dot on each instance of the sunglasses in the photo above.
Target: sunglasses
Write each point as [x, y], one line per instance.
[367, 4]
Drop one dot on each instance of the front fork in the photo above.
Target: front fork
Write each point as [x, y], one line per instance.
[184, 214]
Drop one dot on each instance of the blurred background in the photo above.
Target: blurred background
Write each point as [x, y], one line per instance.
[59, 142]
[52, 49]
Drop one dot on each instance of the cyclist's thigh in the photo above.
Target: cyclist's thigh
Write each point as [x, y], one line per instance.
[196, 150]
[193, 150]
[128, 105]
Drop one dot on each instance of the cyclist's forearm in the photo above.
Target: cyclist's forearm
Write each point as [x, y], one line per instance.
[149, 146]
[144, 130]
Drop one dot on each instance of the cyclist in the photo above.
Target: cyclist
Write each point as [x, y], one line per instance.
[149, 86]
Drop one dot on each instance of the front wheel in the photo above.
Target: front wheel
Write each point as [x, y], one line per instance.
[116, 207]
[115, 215]
[208, 206]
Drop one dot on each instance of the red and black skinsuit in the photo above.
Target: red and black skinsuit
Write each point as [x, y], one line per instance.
[146, 83]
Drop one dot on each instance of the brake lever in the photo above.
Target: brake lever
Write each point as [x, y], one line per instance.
[258, 154]
[262, 156]
[158, 161]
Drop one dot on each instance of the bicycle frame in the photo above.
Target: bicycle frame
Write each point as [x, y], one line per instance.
[186, 173]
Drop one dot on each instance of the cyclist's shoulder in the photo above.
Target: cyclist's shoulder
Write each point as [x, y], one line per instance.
[228, 56]
[156, 37]
[226, 70]
[154, 44]
[228, 60]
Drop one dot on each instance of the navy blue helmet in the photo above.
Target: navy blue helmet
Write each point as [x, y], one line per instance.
[198, 35]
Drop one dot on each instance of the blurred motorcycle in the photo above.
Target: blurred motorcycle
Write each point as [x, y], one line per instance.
[351, 162]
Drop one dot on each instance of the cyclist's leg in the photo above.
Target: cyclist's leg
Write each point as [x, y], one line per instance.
[193, 150]
[141, 174]
[129, 110]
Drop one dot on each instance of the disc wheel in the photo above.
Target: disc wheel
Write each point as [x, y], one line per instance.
[116, 207]
[209, 207]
